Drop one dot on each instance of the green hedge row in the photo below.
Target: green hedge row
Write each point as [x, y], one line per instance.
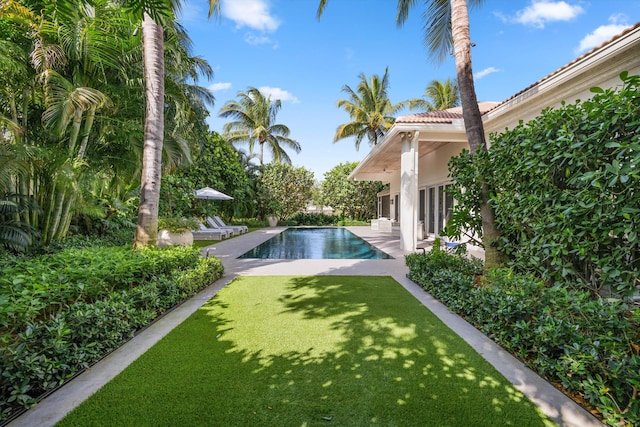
[61, 313]
[564, 189]
[589, 346]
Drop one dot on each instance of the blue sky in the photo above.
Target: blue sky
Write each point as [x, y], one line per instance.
[280, 47]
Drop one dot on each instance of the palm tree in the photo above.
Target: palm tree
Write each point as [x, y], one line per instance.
[447, 27]
[153, 15]
[437, 96]
[369, 108]
[254, 121]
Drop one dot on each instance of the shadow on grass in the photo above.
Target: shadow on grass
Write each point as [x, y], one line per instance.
[310, 351]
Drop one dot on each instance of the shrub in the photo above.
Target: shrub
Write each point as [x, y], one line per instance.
[52, 330]
[564, 190]
[314, 219]
[589, 346]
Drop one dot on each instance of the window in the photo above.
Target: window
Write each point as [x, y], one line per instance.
[437, 204]
[384, 208]
[397, 207]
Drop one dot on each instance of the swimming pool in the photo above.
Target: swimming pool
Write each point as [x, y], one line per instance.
[316, 243]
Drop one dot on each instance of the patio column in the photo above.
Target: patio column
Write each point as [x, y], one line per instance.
[409, 191]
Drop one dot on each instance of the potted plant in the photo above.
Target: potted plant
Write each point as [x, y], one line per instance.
[274, 208]
[175, 231]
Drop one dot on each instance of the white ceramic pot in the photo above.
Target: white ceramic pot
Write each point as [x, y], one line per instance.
[273, 221]
[167, 238]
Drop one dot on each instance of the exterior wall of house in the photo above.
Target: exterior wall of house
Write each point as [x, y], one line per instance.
[569, 85]
[434, 167]
[599, 68]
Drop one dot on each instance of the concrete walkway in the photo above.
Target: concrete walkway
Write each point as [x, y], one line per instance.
[551, 401]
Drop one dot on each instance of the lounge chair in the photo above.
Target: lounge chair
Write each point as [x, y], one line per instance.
[206, 233]
[212, 225]
[217, 222]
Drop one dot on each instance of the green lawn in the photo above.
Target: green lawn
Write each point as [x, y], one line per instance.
[310, 351]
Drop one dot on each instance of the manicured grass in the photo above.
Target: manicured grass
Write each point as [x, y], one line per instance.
[300, 351]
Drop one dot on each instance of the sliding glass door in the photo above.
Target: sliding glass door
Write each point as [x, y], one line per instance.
[437, 205]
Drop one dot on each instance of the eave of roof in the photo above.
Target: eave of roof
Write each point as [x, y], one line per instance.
[427, 121]
[444, 116]
[575, 61]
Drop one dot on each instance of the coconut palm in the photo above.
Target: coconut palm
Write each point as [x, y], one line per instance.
[446, 30]
[369, 108]
[153, 16]
[254, 122]
[437, 96]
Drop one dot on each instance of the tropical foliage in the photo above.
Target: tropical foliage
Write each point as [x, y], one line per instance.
[217, 165]
[72, 105]
[437, 96]
[369, 108]
[564, 187]
[254, 121]
[353, 199]
[55, 322]
[586, 346]
[283, 189]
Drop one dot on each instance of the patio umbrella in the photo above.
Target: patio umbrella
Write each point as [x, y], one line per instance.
[211, 194]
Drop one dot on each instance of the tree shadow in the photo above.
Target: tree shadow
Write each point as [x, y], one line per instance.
[310, 351]
[383, 359]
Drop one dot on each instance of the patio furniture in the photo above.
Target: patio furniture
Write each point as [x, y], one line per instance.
[216, 221]
[219, 220]
[206, 233]
[213, 226]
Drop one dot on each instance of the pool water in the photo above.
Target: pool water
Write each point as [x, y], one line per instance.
[316, 243]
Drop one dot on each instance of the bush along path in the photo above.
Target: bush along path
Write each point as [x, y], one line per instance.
[61, 313]
[588, 347]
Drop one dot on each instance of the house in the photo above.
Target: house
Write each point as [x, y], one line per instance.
[413, 156]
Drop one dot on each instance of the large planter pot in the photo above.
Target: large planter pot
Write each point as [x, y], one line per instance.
[273, 221]
[167, 238]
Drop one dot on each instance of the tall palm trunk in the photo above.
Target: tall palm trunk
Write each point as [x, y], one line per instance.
[473, 122]
[88, 125]
[153, 53]
[261, 151]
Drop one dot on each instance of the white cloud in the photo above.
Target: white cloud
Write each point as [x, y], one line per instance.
[253, 39]
[602, 33]
[216, 87]
[277, 93]
[483, 73]
[250, 13]
[541, 12]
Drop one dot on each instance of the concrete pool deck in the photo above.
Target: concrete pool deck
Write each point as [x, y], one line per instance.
[552, 402]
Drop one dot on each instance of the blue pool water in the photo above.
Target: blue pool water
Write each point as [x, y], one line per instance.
[316, 243]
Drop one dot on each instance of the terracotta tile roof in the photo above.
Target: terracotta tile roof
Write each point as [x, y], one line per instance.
[448, 116]
[578, 59]
[443, 116]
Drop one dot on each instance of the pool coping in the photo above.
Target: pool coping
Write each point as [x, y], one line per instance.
[551, 401]
[357, 241]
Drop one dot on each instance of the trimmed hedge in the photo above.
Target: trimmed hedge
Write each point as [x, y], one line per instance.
[564, 187]
[61, 313]
[590, 347]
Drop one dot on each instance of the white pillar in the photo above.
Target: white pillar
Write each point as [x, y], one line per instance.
[409, 191]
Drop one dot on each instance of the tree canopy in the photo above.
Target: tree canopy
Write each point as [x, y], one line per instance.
[283, 189]
[369, 108]
[354, 199]
[254, 121]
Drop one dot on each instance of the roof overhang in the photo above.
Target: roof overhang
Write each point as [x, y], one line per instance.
[600, 66]
[384, 159]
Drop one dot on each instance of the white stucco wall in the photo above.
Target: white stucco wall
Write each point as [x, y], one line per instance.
[568, 85]
[434, 167]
